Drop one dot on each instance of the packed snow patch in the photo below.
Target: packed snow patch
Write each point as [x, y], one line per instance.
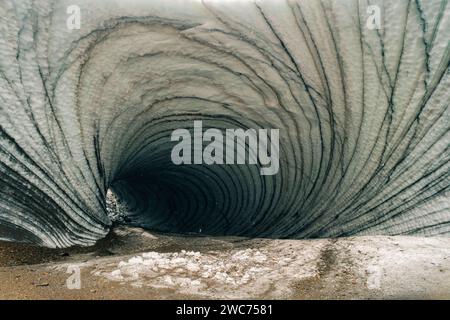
[237, 272]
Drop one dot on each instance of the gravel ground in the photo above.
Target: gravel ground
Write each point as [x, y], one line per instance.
[134, 264]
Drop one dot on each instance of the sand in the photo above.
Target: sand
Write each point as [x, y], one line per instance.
[135, 264]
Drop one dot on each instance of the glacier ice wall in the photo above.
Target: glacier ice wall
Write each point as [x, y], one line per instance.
[363, 115]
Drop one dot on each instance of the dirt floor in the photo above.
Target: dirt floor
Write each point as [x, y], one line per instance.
[134, 264]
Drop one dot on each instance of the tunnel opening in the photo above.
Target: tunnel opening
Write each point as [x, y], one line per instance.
[150, 191]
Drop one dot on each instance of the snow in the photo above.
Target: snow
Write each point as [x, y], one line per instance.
[195, 272]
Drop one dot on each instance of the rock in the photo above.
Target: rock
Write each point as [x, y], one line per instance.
[43, 284]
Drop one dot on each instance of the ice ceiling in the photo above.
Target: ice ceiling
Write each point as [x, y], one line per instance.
[363, 116]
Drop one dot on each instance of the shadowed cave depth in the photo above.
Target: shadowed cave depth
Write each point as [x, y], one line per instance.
[211, 199]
